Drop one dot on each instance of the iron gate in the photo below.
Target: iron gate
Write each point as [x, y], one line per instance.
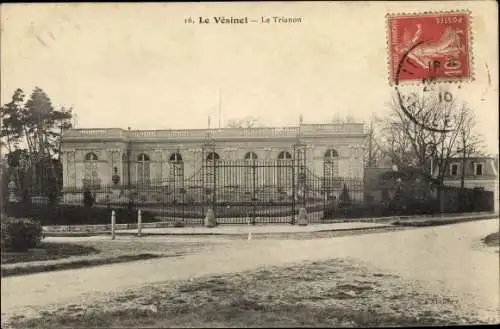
[252, 189]
[248, 190]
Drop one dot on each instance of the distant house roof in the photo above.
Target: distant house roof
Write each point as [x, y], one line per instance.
[490, 171]
[475, 157]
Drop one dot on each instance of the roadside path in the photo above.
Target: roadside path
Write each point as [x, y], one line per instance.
[257, 229]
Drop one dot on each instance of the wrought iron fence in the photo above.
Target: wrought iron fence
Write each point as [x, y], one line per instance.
[248, 190]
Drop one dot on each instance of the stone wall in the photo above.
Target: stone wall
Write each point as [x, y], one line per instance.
[491, 185]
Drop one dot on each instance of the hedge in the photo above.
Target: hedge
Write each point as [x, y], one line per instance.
[237, 210]
[75, 215]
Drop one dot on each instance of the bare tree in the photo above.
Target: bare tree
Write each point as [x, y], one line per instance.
[374, 154]
[424, 126]
[469, 143]
[393, 140]
[425, 129]
[443, 145]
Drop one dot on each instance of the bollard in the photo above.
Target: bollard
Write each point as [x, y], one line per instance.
[113, 222]
[249, 230]
[303, 218]
[139, 222]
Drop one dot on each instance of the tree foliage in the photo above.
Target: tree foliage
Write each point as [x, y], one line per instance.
[34, 123]
[31, 132]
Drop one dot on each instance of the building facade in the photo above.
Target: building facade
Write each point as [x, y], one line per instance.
[124, 158]
[478, 172]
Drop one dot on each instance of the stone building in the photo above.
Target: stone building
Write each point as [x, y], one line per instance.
[118, 157]
[478, 172]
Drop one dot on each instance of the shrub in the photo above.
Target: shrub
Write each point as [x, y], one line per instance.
[345, 198]
[353, 210]
[20, 234]
[178, 223]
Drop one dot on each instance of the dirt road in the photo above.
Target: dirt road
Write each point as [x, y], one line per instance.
[444, 259]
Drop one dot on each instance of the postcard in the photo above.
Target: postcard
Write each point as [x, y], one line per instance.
[249, 164]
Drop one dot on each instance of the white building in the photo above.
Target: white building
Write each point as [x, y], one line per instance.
[92, 157]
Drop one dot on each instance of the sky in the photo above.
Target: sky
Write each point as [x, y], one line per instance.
[142, 66]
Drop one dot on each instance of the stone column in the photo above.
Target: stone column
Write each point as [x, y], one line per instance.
[164, 165]
[268, 171]
[113, 160]
[123, 166]
[317, 161]
[352, 161]
[157, 163]
[72, 168]
[79, 171]
[194, 167]
[361, 164]
[65, 176]
[118, 163]
[182, 152]
[69, 169]
[107, 170]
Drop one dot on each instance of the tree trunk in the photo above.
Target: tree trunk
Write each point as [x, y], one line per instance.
[462, 174]
[441, 199]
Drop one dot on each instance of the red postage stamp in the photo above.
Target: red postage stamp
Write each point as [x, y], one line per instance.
[429, 46]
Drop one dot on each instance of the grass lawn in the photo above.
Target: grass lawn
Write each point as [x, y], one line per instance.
[53, 256]
[48, 251]
[492, 240]
[334, 293]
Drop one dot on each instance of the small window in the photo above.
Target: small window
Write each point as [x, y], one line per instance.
[284, 156]
[250, 155]
[454, 169]
[479, 169]
[142, 157]
[91, 157]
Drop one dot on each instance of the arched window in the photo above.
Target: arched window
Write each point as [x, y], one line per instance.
[143, 169]
[176, 174]
[284, 156]
[91, 157]
[91, 173]
[284, 169]
[331, 154]
[331, 165]
[249, 157]
[213, 156]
